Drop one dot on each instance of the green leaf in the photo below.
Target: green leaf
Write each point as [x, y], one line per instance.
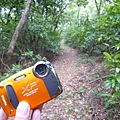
[104, 95]
[116, 94]
[107, 85]
[117, 87]
[117, 70]
[111, 75]
[118, 46]
[118, 78]
[117, 56]
[108, 64]
[110, 101]
[113, 83]
[107, 55]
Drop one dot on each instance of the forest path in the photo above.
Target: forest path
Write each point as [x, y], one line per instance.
[66, 64]
[75, 74]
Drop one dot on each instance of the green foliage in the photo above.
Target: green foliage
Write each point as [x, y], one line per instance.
[40, 34]
[15, 68]
[113, 80]
[28, 54]
[81, 2]
[3, 77]
[6, 34]
[26, 60]
[97, 35]
[72, 37]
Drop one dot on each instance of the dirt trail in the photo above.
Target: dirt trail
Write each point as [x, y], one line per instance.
[71, 104]
[77, 101]
[65, 65]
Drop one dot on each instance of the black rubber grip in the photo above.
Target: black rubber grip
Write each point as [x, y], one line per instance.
[12, 96]
[51, 84]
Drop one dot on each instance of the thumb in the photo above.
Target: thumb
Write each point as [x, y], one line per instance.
[3, 116]
[23, 111]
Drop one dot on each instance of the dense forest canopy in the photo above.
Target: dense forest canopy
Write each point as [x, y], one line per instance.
[91, 26]
[39, 33]
[81, 22]
[94, 27]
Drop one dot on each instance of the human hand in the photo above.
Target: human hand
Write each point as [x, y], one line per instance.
[22, 113]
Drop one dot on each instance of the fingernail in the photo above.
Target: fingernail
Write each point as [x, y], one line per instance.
[23, 109]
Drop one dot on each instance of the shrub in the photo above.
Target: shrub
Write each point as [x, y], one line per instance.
[113, 80]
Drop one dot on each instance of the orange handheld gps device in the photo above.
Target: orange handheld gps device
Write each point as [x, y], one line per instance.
[35, 85]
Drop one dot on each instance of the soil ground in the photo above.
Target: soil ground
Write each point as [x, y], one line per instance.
[81, 78]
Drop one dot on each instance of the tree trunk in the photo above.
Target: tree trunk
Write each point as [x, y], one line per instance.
[98, 6]
[17, 32]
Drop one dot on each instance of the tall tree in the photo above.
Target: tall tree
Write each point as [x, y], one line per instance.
[17, 31]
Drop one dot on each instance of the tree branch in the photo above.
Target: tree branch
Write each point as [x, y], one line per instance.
[98, 79]
[18, 29]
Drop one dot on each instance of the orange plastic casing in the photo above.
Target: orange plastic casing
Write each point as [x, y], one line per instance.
[27, 88]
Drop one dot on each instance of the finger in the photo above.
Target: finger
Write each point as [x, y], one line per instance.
[3, 116]
[23, 111]
[36, 114]
[40, 107]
